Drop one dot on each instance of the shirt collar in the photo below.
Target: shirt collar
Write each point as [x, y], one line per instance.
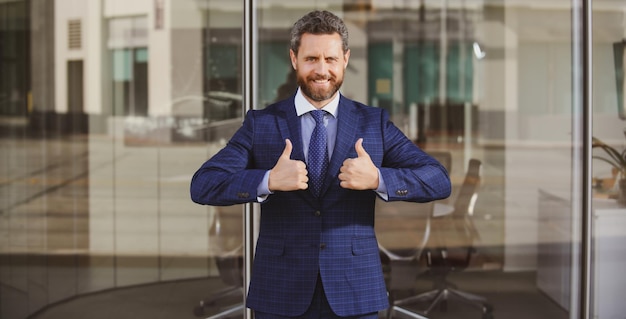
[304, 106]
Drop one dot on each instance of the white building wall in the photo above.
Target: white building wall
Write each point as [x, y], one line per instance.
[184, 69]
[117, 8]
[64, 11]
[93, 57]
[159, 60]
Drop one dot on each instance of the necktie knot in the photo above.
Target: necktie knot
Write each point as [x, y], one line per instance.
[318, 115]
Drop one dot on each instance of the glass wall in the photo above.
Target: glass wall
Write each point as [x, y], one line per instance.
[107, 108]
[609, 130]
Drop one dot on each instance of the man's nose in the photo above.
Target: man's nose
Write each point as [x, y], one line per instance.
[321, 68]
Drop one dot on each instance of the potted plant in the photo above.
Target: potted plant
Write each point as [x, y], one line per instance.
[616, 159]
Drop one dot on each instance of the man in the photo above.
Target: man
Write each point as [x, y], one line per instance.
[317, 254]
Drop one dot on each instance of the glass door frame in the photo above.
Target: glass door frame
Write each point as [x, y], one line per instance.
[582, 130]
[250, 101]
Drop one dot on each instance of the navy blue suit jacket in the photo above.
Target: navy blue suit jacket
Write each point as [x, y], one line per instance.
[301, 235]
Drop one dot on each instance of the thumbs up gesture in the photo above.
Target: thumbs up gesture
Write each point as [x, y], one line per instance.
[359, 173]
[288, 174]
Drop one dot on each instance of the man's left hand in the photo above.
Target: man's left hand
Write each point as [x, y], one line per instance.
[359, 173]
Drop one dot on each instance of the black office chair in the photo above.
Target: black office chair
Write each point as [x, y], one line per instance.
[402, 265]
[451, 247]
[225, 235]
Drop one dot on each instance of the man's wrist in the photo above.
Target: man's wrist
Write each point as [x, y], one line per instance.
[263, 190]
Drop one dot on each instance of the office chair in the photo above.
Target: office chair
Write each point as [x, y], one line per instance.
[402, 265]
[225, 233]
[450, 248]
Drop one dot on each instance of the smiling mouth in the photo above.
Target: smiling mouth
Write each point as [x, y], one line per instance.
[321, 81]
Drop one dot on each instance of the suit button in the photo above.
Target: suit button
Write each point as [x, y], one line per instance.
[318, 213]
[402, 192]
[243, 195]
[322, 245]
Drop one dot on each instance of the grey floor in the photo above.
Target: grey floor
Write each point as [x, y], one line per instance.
[513, 296]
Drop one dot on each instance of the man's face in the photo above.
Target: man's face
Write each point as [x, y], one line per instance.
[320, 65]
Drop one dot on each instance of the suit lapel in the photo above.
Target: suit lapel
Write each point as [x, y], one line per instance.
[290, 127]
[347, 123]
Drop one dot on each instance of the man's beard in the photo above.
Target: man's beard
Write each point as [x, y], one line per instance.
[319, 95]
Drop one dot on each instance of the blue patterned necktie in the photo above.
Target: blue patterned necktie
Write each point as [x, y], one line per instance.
[318, 153]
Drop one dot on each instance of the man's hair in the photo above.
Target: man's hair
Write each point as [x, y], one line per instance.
[318, 22]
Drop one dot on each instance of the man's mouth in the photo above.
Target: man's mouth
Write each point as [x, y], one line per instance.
[321, 81]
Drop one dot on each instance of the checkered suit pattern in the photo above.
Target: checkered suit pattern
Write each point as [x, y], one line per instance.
[318, 153]
[333, 235]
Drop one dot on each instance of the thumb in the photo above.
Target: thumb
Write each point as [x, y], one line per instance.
[287, 150]
[360, 151]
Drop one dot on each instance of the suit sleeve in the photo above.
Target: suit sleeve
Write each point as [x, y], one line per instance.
[228, 178]
[410, 174]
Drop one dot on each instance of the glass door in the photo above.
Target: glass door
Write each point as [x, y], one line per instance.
[476, 84]
[607, 173]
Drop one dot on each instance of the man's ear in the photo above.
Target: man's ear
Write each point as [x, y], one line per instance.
[294, 58]
[346, 57]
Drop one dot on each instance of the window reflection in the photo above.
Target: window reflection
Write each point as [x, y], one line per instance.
[108, 106]
[14, 46]
[127, 44]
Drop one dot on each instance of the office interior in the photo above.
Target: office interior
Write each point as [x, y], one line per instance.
[107, 107]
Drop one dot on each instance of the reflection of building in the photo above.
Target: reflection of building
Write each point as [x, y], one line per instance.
[161, 59]
[157, 59]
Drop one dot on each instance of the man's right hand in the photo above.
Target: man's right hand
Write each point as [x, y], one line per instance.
[288, 174]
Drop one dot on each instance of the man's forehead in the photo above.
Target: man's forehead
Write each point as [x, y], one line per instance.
[321, 42]
[334, 35]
